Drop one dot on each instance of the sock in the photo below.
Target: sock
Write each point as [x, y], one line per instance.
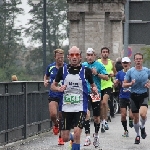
[142, 122]
[103, 121]
[97, 126]
[124, 124]
[75, 146]
[136, 127]
[87, 126]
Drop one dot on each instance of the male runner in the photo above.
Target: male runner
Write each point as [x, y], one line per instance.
[75, 98]
[124, 96]
[138, 79]
[106, 86]
[99, 72]
[54, 97]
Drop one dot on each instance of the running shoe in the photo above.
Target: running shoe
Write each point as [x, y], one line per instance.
[87, 141]
[55, 130]
[143, 133]
[126, 134]
[60, 141]
[96, 140]
[137, 140]
[106, 126]
[102, 128]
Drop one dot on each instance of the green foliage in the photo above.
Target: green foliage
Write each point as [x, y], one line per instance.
[27, 62]
[146, 53]
[56, 26]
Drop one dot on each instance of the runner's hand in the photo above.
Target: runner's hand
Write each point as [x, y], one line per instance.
[94, 71]
[147, 85]
[94, 90]
[62, 88]
[132, 82]
[46, 82]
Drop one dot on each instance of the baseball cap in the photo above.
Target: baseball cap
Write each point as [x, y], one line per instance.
[90, 51]
[126, 59]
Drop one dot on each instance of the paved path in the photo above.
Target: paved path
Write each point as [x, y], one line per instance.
[110, 140]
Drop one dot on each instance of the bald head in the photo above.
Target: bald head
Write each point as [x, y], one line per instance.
[74, 49]
[74, 56]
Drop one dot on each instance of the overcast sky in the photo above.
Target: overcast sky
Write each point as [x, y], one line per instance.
[23, 19]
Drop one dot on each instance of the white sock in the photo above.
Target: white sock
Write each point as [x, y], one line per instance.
[142, 122]
[136, 127]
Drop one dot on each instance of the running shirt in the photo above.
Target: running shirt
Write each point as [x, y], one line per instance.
[140, 76]
[120, 76]
[75, 97]
[100, 70]
[105, 84]
[51, 72]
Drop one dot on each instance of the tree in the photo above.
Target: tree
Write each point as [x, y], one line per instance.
[10, 37]
[146, 53]
[56, 15]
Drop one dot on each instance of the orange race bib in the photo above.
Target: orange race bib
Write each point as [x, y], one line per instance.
[96, 97]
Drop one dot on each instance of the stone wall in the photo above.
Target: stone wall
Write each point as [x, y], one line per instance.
[96, 23]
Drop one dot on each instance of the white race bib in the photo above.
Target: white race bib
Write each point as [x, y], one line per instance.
[71, 98]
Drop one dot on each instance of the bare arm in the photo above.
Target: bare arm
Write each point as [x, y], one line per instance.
[103, 76]
[55, 87]
[46, 80]
[127, 84]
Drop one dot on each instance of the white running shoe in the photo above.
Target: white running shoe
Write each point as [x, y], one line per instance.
[96, 141]
[87, 141]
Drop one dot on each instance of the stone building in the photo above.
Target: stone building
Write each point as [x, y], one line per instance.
[96, 23]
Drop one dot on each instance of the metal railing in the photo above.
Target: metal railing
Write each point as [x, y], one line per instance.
[23, 110]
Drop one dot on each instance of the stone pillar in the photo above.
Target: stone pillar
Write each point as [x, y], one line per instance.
[96, 23]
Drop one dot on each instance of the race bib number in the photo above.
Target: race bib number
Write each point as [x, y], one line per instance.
[95, 98]
[72, 99]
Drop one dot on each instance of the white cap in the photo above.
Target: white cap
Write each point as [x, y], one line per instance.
[90, 51]
[126, 59]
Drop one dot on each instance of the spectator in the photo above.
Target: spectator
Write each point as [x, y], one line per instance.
[14, 78]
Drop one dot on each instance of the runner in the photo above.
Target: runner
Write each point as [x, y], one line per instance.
[124, 96]
[75, 99]
[54, 97]
[99, 72]
[137, 78]
[106, 86]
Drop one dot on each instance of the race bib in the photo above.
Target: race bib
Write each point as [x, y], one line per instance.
[71, 98]
[95, 98]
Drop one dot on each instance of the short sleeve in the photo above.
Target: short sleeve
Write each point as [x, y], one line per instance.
[102, 69]
[128, 76]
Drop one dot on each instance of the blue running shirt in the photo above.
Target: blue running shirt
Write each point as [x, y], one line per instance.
[141, 77]
[120, 76]
[100, 69]
[51, 72]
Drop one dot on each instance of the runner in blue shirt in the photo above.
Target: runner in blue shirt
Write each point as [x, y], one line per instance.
[54, 97]
[138, 79]
[99, 72]
[124, 96]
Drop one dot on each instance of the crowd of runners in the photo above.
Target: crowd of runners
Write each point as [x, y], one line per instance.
[77, 88]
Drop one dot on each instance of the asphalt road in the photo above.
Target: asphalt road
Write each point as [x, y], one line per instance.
[110, 140]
